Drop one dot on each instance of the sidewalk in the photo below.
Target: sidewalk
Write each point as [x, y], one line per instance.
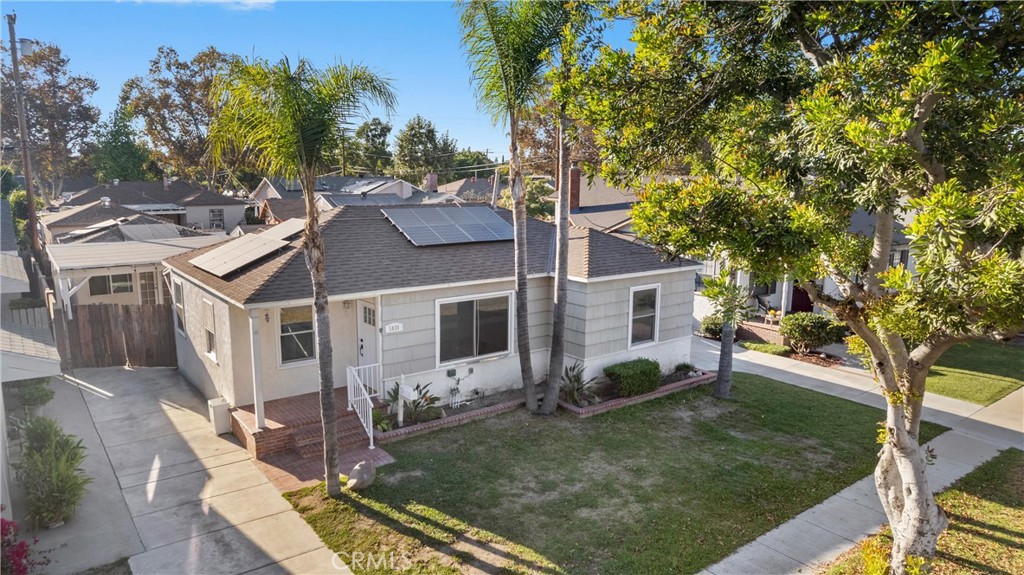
[820, 534]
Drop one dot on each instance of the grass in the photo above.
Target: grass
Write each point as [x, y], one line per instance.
[981, 372]
[664, 487]
[771, 348]
[986, 524]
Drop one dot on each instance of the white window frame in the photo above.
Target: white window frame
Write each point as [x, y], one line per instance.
[210, 330]
[110, 284]
[477, 358]
[179, 304]
[657, 316]
[281, 364]
[211, 219]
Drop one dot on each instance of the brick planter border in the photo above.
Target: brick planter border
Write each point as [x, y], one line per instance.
[446, 422]
[605, 406]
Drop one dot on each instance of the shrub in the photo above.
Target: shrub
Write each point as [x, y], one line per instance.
[17, 554]
[50, 472]
[36, 393]
[711, 326]
[808, 331]
[577, 390]
[685, 367]
[770, 348]
[634, 377]
[25, 303]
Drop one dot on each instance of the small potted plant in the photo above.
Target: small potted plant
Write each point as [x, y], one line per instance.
[35, 394]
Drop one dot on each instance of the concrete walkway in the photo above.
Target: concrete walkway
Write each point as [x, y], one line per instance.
[187, 501]
[820, 534]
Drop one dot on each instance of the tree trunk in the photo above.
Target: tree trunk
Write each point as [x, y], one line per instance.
[314, 249]
[723, 383]
[519, 221]
[557, 360]
[914, 517]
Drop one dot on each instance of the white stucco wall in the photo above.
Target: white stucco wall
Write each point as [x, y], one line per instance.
[85, 297]
[234, 214]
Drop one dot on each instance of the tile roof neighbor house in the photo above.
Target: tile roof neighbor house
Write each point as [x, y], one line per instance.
[179, 202]
[419, 293]
[352, 191]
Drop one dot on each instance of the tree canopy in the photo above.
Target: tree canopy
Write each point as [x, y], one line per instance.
[118, 153]
[420, 149]
[798, 117]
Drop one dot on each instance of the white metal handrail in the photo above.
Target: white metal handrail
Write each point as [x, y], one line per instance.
[359, 399]
[369, 375]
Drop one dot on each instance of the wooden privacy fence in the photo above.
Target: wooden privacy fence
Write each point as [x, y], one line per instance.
[108, 335]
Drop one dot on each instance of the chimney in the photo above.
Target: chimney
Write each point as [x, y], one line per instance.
[574, 188]
[105, 201]
[432, 182]
[116, 181]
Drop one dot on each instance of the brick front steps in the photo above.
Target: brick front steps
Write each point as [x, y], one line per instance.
[611, 404]
[444, 422]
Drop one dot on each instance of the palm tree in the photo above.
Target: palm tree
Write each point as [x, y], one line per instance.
[291, 120]
[505, 44]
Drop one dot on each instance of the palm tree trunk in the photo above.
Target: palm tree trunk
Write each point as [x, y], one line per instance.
[519, 221]
[557, 360]
[723, 383]
[314, 249]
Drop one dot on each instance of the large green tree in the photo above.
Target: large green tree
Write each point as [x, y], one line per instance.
[289, 121]
[119, 154]
[420, 149]
[375, 152]
[173, 99]
[506, 45]
[59, 117]
[796, 116]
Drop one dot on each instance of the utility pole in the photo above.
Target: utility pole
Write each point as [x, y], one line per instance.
[26, 156]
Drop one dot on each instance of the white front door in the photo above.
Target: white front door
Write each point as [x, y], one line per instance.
[366, 333]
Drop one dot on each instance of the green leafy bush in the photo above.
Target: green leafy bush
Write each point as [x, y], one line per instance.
[25, 303]
[50, 472]
[577, 390]
[711, 326]
[36, 393]
[634, 377]
[684, 367]
[808, 331]
[771, 348]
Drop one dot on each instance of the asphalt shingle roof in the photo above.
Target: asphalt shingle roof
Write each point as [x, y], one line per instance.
[87, 215]
[366, 253]
[8, 240]
[29, 340]
[137, 193]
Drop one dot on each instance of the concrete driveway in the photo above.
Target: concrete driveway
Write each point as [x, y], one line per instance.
[195, 500]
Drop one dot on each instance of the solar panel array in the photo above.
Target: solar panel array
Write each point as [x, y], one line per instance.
[285, 230]
[440, 226]
[237, 253]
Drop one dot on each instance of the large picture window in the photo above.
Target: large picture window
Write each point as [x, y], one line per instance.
[643, 315]
[297, 341]
[473, 328]
[106, 285]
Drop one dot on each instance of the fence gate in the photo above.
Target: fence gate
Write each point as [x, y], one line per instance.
[109, 335]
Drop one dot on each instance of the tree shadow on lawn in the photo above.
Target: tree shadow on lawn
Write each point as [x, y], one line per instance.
[668, 486]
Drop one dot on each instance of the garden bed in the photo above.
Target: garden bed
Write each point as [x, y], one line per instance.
[674, 384]
[460, 417]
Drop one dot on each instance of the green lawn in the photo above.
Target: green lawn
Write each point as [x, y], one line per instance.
[986, 524]
[981, 372]
[669, 486]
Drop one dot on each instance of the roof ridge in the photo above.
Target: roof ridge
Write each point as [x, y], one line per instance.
[331, 216]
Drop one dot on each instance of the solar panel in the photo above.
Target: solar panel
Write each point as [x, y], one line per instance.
[285, 229]
[237, 253]
[429, 226]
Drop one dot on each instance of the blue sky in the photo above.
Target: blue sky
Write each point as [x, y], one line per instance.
[416, 44]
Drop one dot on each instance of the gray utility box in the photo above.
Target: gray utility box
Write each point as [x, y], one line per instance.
[219, 415]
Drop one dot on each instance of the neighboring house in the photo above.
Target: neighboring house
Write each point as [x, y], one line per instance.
[277, 210]
[471, 189]
[26, 343]
[351, 191]
[178, 202]
[600, 206]
[123, 271]
[426, 312]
